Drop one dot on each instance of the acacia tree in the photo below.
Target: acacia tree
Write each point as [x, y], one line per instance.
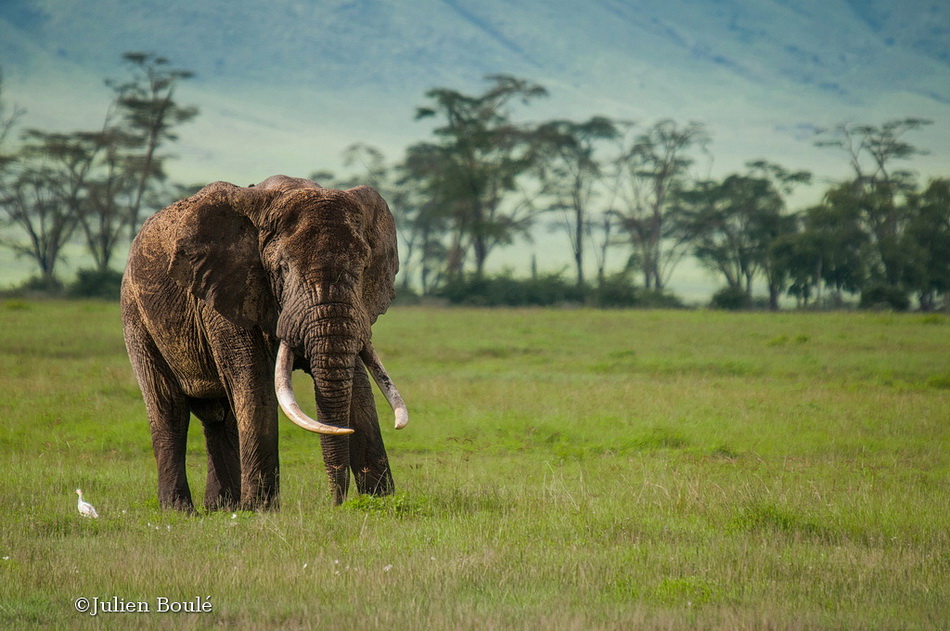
[793, 257]
[41, 194]
[732, 223]
[472, 171]
[147, 108]
[928, 235]
[123, 163]
[423, 220]
[649, 170]
[784, 182]
[8, 119]
[569, 172]
[38, 192]
[827, 249]
[840, 245]
[110, 191]
[879, 191]
[96, 182]
[85, 174]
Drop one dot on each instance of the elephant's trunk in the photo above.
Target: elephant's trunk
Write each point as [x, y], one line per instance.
[333, 339]
[287, 400]
[333, 388]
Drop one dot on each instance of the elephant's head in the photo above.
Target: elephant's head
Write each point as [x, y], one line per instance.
[313, 266]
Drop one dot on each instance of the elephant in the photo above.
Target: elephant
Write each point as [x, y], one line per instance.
[225, 293]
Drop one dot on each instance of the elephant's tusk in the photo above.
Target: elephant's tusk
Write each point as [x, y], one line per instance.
[386, 385]
[287, 400]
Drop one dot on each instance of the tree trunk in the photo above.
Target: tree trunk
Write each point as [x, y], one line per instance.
[773, 297]
[579, 240]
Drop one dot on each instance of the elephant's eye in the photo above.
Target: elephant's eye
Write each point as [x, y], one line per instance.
[280, 278]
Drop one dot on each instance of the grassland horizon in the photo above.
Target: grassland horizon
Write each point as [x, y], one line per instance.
[563, 469]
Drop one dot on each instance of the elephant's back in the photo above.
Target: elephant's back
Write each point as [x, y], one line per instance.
[159, 231]
[151, 253]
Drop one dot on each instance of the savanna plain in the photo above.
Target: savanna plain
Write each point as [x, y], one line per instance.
[562, 469]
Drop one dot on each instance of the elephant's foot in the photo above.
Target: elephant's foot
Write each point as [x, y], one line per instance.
[174, 492]
[260, 504]
[221, 498]
[181, 503]
[260, 493]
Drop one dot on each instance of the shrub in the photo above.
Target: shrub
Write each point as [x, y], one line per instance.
[550, 290]
[616, 290]
[658, 299]
[885, 297]
[730, 298]
[92, 283]
[39, 285]
[497, 291]
[405, 296]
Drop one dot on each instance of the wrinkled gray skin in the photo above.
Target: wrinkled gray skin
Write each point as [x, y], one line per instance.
[212, 284]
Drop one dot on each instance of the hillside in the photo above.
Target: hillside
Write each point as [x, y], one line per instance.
[355, 70]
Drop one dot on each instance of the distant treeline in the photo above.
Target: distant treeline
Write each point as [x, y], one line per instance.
[484, 181]
[98, 185]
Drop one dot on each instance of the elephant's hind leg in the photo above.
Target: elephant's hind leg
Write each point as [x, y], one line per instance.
[223, 490]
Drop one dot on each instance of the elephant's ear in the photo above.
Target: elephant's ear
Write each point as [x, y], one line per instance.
[379, 230]
[216, 256]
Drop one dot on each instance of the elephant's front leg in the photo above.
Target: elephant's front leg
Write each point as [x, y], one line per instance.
[368, 458]
[245, 365]
[168, 416]
[256, 413]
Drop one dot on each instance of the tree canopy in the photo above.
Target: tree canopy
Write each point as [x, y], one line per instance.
[487, 177]
[94, 184]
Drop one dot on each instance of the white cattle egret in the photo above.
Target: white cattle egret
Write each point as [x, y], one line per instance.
[85, 508]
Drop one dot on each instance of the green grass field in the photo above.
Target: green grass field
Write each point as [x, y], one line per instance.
[569, 469]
